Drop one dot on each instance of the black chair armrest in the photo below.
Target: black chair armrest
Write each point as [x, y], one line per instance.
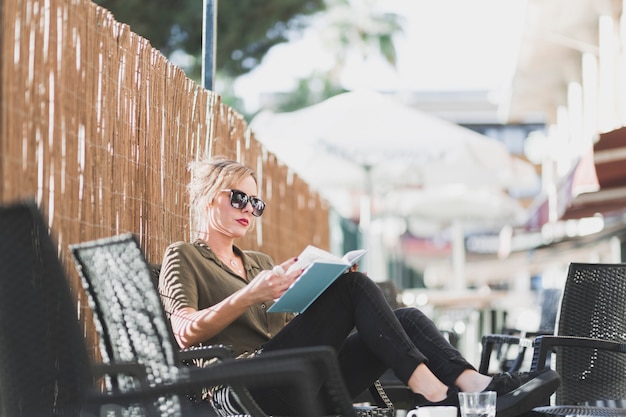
[489, 341]
[298, 372]
[324, 360]
[544, 346]
[251, 372]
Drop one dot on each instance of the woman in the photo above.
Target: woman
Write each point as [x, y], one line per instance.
[216, 293]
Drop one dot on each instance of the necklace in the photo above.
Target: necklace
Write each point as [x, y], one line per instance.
[229, 262]
[232, 262]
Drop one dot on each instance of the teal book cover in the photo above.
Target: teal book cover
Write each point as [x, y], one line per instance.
[317, 276]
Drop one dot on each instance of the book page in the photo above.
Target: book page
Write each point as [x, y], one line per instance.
[353, 256]
[311, 254]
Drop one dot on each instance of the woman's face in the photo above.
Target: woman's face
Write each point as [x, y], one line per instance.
[226, 219]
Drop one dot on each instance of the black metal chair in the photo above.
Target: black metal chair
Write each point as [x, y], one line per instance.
[44, 365]
[510, 348]
[133, 326]
[589, 345]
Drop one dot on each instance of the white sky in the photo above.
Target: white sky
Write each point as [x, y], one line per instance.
[447, 45]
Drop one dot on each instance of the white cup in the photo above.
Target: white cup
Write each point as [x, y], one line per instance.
[435, 411]
[477, 404]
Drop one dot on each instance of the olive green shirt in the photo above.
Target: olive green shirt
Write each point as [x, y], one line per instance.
[193, 276]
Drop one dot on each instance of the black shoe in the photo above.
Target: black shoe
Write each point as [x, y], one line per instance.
[506, 382]
[452, 398]
[521, 392]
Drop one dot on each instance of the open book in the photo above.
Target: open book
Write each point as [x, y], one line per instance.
[321, 268]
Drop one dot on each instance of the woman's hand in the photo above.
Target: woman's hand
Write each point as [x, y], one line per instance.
[271, 284]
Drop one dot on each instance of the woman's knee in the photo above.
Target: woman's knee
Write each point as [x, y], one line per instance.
[413, 316]
[412, 313]
[358, 279]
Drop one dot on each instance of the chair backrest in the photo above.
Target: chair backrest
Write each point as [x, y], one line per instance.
[550, 300]
[44, 365]
[129, 317]
[390, 291]
[593, 305]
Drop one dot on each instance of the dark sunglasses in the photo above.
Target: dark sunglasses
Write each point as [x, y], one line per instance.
[239, 200]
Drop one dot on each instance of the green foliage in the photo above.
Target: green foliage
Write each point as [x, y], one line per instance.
[246, 29]
[249, 29]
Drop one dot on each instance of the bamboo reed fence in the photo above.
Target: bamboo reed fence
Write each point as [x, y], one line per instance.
[98, 127]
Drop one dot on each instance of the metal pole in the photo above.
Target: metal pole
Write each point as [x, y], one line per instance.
[209, 31]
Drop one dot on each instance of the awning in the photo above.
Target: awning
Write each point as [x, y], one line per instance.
[597, 185]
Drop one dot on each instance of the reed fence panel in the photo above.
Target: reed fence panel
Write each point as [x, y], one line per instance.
[98, 127]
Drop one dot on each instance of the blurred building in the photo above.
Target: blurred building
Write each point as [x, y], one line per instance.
[564, 112]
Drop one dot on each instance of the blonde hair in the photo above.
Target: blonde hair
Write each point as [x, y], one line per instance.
[209, 176]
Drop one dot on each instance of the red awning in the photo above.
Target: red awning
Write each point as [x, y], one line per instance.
[597, 185]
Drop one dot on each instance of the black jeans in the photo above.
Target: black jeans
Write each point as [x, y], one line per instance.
[353, 316]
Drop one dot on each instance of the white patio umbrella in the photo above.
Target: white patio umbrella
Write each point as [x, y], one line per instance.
[460, 207]
[367, 143]
[487, 205]
[362, 145]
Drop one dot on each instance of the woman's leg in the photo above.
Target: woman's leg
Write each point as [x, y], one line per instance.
[444, 360]
[352, 301]
[355, 301]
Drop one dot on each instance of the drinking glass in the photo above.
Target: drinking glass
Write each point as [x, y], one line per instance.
[477, 404]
